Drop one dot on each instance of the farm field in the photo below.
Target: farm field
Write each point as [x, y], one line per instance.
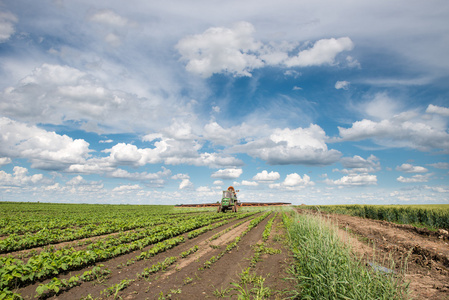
[62, 251]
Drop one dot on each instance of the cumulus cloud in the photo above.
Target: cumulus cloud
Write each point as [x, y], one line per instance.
[45, 150]
[221, 49]
[414, 178]
[322, 52]
[235, 51]
[140, 176]
[434, 109]
[354, 180]
[227, 173]
[233, 135]
[78, 185]
[169, 151]
[292, 146]
[408, 168]
[402, 130]
[292, 182]
[358, 164]
[185, 181]
[7, 21]
[124, 189]
[59, 94]
[342, 85]
[249, 183]
[265, 176]
[5, 161]
[20, 178]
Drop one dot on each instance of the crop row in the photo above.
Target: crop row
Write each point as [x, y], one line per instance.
[234, 243]
[15, 272]
[46, 236]
[22, 218]
[56, 285]
[202, 230]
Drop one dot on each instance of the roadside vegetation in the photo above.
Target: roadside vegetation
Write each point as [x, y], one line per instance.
[325, 267]
[430, 216]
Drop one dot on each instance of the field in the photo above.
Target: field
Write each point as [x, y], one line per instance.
[65, 251]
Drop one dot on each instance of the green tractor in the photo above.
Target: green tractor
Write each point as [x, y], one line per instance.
[229, 201]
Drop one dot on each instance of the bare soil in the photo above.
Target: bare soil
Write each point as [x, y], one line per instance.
[423, 254]
[187, 278]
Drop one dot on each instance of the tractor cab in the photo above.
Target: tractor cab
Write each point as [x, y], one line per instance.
[228, 200]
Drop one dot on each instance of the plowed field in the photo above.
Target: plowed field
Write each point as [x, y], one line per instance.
[230, 259]
[196, 276]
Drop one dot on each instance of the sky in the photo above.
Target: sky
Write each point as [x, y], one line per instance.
[171, 102]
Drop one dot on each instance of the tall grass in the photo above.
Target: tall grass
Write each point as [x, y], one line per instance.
[425, 215]
[325, 267]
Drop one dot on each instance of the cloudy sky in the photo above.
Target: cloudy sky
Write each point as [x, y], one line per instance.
[168, 102]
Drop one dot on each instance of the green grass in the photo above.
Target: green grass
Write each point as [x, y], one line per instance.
[430, 216]
[325, 267]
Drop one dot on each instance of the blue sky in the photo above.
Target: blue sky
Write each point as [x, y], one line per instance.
[168, 102]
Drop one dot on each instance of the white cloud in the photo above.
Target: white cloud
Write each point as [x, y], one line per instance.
[402, 130]
[5, 161]
[292, 182]
[108, 17]
[185, 183]
[433, 109]
[265, 176]
[227, 173]
[234, 50]
[122, 189]
[232, 135]
[180, 176]
[440, 165]
[218, 182]
[78, 185]
[142, 176]
[414, 178]
[249, 183]
[322, 52]
[358, 164]
[354, 180]
[169, 151]
[20, 178]
[292, 146]
[408, 168]
[7, 21]
[46, 150]
[221, 49]
[105, 141]
[60, 94]
[342, 85]
[381, 107]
